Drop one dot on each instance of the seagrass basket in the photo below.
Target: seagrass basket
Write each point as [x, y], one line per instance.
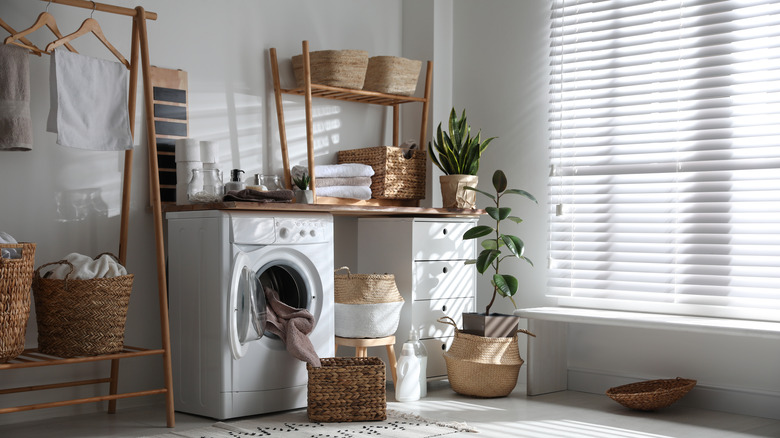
[81, 317]
[650, 395]
[392, 75]
[347, 389]
[15, 279]
[366, 305]
[395, 176]
[336, 68]
[481, 366]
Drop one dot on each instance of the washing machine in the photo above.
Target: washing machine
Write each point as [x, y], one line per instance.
[225, 365]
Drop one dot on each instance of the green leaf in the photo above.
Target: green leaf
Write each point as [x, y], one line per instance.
[499, 181]
[522, 193]
[498, 214]
[478, 231]
[514, 219]
[489, 244]
[527, 260]
[506, 284]
[485, 258]
[513, 244]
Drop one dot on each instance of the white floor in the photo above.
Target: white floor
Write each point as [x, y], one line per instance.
[562, 414]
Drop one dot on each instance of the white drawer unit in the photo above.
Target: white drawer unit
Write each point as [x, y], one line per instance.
[426, 256]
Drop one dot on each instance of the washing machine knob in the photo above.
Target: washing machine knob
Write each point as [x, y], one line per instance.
[284, 232]
[302, 233]
[313, 233]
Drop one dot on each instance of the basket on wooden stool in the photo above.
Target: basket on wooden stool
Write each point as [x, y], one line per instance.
[650, 395]
[395, 176]
[366, 305]
[15, 279]
[81, 317]
[347, 389]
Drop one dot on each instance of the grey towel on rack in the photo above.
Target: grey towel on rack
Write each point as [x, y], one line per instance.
[15, 122]
[89, 102]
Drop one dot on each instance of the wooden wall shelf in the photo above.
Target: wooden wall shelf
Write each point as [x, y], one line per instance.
[356, 210]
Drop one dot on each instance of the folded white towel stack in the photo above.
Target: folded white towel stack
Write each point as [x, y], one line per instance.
[335, 170]
[15, 121]
[85, 268]
[89, 102]
[350, 180]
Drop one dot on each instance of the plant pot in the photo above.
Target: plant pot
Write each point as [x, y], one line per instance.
[454, 195]
[304, 197]
[495, 325]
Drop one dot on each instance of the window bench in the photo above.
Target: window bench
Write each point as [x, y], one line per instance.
[547, 355]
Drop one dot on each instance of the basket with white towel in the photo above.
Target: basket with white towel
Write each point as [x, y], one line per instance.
[340, 180]
[367, 305]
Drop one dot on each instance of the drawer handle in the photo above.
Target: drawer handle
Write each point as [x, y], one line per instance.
[444, 308]
[445, 231]
[443, 347]
[444, 270]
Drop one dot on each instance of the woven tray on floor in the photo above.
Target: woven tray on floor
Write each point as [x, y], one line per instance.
[651, 394]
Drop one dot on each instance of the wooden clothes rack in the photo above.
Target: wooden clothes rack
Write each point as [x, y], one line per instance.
[31, 357]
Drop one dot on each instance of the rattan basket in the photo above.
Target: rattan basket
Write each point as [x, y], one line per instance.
[15, 280]
[336, 68]
[651, 394]
[395, 176]
[352, 288]
[347, 389]
[392, 75]
[81, 317]
[480, 366]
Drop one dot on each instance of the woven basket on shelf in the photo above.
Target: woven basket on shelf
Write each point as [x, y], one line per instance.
[15, 280]
[81, 317]
[650, 395]
[347, 389]
[392, 75]
[481, 366]
[395, 176]
[336, 68]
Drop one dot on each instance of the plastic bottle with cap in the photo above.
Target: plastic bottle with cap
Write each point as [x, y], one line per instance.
[236, 183]
[407, 385]
[422, 355]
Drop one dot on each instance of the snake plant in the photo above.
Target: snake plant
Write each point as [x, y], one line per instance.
[458, 151]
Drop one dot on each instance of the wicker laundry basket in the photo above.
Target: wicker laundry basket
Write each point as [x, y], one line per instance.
[392, 75]
[81, 317]
[650, 395]
[15, 280]
[395, 176]
[481, 366]
[347, 389]
[366, 305]
[336, 68]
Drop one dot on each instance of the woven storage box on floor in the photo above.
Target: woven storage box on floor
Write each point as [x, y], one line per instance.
[336, 68]
[347, 389]
[392, 75]
[651, 394]
[395, 177]
[81, 317]
[15, 281]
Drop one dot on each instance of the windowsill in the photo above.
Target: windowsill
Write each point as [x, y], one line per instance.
[697, 324]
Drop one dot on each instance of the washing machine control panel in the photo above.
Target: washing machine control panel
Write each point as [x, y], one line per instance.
[301, 231]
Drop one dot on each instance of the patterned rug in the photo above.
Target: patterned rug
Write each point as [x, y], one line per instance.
[295, 424]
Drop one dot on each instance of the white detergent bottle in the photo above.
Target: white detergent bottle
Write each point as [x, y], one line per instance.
[407, 385]
[422, 355]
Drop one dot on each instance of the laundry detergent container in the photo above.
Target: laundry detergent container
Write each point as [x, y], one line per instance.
[366, 305]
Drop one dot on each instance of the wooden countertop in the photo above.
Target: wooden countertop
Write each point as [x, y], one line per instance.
[335, 209]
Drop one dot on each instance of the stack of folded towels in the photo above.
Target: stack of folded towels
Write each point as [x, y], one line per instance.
[351, 180]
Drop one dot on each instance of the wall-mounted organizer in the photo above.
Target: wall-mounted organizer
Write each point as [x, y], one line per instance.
[31, 357]
[309, 90]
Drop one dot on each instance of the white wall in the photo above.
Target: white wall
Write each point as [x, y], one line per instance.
[500, 77]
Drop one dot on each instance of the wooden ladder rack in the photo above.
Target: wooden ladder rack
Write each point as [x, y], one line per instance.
[31, 357]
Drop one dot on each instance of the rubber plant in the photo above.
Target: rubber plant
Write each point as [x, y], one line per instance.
[458, 152]
[500, 246]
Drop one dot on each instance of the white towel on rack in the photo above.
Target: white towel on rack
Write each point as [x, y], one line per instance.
[89, 102]
[335, 170]
[15, 121]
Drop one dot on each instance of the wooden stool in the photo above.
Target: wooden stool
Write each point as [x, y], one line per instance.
[361, 344]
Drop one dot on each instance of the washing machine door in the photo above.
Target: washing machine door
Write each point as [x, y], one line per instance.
[246, 307]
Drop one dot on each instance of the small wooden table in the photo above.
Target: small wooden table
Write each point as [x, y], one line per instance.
[361, 344]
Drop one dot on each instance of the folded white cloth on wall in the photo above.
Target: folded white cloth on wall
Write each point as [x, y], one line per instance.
[9, 253]
[85, 268]
[343, 181]
[89, 102]
[335, 170]
[15, 121]
[353, 192]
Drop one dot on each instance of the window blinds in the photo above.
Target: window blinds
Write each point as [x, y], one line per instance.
[665, 152]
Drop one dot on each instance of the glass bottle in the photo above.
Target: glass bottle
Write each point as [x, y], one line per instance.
[205, 186]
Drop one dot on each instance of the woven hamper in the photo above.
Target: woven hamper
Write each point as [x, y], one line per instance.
[366, 305]
[347, 389]
[395, 176]
[480, 366]
[15, 281]
[81, 317]
[336, 68]
[392, 75]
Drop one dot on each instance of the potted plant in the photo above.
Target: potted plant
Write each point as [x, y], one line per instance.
[494, 250]
[303, 195]
[458, 157]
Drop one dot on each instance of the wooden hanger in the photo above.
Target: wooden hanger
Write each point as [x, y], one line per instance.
[89, 25]
[45, 19]
[24, 40]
